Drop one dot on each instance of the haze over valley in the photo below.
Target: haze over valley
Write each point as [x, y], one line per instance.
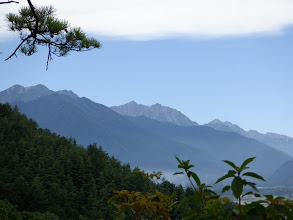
[150, 136]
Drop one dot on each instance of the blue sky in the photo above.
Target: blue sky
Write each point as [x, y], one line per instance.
[243, 78]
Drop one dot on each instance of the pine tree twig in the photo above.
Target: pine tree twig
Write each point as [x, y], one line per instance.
[14, 53]
[35, 30]
[49, 56]
[9, 2]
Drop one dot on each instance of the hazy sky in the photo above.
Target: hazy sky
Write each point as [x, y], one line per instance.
[225, 59]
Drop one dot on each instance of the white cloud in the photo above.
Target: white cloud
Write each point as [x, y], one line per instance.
[151, 19]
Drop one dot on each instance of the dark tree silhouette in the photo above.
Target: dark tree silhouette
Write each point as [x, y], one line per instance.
[8, 2]
[38, 26]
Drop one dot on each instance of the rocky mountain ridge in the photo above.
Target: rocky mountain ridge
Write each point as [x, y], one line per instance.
[157, 112]
[280, 142]
[18, 93]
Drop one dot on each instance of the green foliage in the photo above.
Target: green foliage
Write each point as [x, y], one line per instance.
[142, 205]
[146, 205]
[202, 192]
[38, 26]
[238, 182]
[237, 187]
[222, 208]
[41, 172]
[7, 210]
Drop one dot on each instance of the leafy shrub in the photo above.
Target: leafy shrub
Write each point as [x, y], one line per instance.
[206, 203]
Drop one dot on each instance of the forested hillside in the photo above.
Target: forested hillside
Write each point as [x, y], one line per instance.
[46, 176]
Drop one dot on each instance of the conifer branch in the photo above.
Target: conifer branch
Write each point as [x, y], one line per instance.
[14, 53]
[9, 2]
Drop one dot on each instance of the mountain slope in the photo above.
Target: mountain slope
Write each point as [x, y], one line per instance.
[90, 122]
[157, 112]
[219, 144]
[282, 176]
[19, 93]
[280, 142]
[147, 143]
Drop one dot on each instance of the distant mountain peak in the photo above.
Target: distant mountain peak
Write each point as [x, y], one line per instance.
[131, 103]
[156, 111]
[280, 142]
[215, 121]
[16, 86]
[37, 86]
[68, 93]
[18, 93]
[227, 123]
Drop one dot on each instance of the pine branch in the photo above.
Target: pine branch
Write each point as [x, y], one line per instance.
[9, 2]
[35, 31]
[14, 53]
[46, 33]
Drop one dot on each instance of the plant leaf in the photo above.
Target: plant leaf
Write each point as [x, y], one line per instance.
[269, 197]
[178, 173]
[248, 193]
[252, 185]
[195, 177]
[210, 192]
[189, 166]
[257, 195]
[237, 187]
[232, 172]
[178, 160]
[254, 175]
[226, 188]
[247, 161]
[231, 164]
[224, 177]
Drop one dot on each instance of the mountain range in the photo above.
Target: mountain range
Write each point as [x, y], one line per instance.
[156, 112]
[25, 94]
[167, 114]
[280, 142]
[141, 141]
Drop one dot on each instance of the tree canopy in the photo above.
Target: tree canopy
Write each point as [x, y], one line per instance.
[46, 176]
[38, 26]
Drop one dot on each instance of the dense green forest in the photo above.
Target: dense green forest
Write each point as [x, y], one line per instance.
[45, 176]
